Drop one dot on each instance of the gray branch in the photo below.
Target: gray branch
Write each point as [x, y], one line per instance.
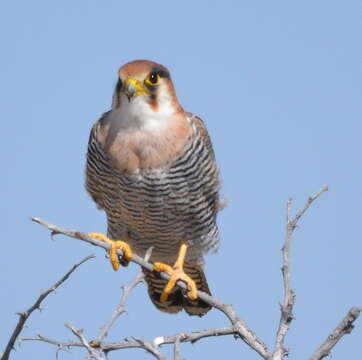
[286, 308]
[343, 328]
[120, 308]
[134, 343]
[23, 316]
[79, 334]
[126, 290]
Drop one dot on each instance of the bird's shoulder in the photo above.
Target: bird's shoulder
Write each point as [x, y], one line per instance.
[201, 129]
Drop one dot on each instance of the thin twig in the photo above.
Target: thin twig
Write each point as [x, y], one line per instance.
[126, 290]
[286, 308]
[156, 342]
[23, 316]
[83, 340]
[308, 204]
[343, 328]
[60, 344]
[240, 327]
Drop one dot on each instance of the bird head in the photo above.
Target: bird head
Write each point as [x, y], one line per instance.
[144, 84]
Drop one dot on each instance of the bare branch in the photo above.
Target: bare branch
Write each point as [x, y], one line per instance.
[286, 308]
[57, 343]
[83, 340]
[308, 204]
[126, 290]
[343, 328]
[120, 308]
[239, 326]
[156, 342]
[23, 316]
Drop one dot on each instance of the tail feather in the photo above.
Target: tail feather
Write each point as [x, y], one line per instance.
[198, 306]
[176, 300]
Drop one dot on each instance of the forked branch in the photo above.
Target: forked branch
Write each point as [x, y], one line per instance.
[23, 316]
[286, 308]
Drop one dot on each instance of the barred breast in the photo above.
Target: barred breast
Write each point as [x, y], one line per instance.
[161, 207]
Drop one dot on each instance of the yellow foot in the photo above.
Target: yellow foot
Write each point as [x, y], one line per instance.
[177, 273]
[115, 245]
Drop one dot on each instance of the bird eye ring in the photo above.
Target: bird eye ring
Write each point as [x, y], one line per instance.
[153, 79]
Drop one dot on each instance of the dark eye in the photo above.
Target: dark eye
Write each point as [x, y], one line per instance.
[153, 79]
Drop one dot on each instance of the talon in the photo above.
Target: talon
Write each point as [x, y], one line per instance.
[176, 273]
[115, 245]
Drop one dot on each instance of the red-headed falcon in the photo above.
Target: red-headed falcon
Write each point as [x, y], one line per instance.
[151, 167]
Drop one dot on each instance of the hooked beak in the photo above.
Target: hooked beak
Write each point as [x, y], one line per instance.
[133, 88]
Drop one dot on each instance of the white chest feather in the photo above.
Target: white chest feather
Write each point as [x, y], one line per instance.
[138, 114]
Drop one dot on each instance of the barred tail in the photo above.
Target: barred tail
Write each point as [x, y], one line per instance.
[176, 300]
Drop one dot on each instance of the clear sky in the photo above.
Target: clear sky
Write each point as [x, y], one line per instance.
[279, 86]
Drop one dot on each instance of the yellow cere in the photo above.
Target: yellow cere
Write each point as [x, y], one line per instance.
[135, 86]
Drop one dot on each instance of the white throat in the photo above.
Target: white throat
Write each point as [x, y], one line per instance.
[138, 114]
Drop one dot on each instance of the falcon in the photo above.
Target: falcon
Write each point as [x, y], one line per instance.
[151, 167]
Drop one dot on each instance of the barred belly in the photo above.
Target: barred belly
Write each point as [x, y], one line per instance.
[162, 207]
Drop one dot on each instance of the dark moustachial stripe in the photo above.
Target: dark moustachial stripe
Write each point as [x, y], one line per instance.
[119, 85]
[118, 90]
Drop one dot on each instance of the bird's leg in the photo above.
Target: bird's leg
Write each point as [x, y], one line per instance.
[115, 245]
[176, 273]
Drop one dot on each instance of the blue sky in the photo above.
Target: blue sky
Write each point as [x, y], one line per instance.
[279, 86]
